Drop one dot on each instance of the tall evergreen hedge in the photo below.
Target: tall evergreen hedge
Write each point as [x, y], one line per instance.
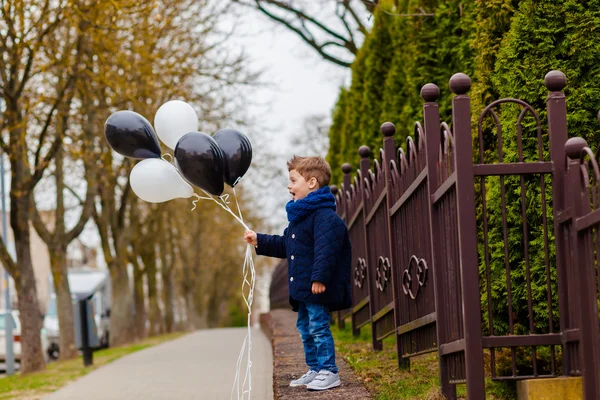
[398, 57]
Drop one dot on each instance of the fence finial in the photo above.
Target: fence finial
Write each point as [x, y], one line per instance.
[334, 189]
[364, 152]
[430, 92]
[346, 168]
[574, 146]
[460, 83]
[388, 129]
[555, 81]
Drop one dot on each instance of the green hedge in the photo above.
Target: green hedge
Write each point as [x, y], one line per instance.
[507, 47]
[398, 57]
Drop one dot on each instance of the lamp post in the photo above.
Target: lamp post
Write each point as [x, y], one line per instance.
[10, 356]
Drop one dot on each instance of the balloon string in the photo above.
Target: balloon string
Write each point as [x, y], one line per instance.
[225, 207]
[237, 203]
[247, 343]
[167, 154]
[248, 283]
[198, 198]
[225, 198]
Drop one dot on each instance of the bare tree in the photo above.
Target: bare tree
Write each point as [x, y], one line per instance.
[333, 28]
[38, 73]
[58, 238]
[313, 138]
[144, 245]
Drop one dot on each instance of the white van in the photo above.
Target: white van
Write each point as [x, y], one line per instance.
[84, 283]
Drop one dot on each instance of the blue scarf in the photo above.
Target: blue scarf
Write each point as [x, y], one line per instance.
[321, 198]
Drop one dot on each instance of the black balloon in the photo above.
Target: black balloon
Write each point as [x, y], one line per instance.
[131, 135]
[237, 154]
[200, 161]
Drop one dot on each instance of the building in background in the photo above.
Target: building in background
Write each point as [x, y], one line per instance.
[78, 256]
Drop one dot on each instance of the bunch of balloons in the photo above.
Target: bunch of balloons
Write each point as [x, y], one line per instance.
[205, 161]
[208, 162]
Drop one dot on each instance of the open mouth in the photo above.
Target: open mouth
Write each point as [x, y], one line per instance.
[293, 194]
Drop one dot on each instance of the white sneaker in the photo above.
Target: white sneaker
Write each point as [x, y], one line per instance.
[304, 379]
[324, 380]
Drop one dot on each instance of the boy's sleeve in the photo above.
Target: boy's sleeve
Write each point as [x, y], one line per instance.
[329, 231]
[271, 245]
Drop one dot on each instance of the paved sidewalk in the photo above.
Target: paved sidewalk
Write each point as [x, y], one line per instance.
[289, 363]
[200, 365]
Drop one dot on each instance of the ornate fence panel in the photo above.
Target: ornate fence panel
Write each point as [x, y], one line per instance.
[581, 221]
[455, 271]
[378, 251]
[353, 203]
[528, 333]
[410, 243]
[340, 316]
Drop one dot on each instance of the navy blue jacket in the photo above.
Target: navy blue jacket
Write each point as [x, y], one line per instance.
[317, 248]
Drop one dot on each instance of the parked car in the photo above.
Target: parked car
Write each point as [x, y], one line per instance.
[16, 324]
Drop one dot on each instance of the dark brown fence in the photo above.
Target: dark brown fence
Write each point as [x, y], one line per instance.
[496, 256]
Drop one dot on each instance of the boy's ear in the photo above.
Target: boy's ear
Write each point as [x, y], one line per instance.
[312, 183]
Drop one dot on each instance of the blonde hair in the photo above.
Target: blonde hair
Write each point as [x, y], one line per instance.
[311, 167]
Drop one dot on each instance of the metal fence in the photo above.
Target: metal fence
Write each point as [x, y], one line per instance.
[493, 263]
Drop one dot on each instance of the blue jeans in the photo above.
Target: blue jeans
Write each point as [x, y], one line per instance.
[313, 325]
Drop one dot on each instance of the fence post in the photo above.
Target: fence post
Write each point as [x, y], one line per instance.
[389, 153]
[341, 208]
[346, 169]
[365, 164]
[431, 119]
[556, 81]
[585, 276]
[467, 235]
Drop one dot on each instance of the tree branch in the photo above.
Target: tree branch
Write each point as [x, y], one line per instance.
[39, 40]
[39, 225]
[361, 27]
[304, 32]
[123, 206]
[6, 259]
[39, 170]
[86, 213]
[101, 223]
[306, 38]
[302, 16]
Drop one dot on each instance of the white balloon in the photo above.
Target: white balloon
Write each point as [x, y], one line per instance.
[174, 119]
[155, 180]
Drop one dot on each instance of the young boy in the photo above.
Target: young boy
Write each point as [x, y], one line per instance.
[317, 247]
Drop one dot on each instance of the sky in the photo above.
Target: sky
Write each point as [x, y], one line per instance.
[299, 83]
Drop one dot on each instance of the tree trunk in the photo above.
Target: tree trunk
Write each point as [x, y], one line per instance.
[168, 300]
[153, 308]
[139, 300]
[195, 319]
[32, 356]
[64, 304]
[122, 328]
